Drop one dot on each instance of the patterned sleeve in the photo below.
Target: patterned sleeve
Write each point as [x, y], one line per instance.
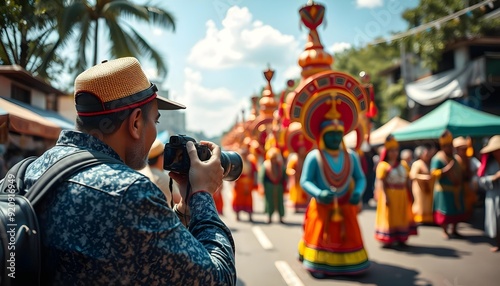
[158, 249]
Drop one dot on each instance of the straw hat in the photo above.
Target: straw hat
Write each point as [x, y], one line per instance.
[493, 145]
[116, 85]
[156, 149]
[459, 142]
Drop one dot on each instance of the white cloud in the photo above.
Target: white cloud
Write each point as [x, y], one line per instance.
[242, 41]
[157, 32]
[209, 110]
[339, 47]
[242, 44]
[369, 3]
[151, 73]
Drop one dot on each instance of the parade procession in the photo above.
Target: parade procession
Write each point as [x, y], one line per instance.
[377, 163]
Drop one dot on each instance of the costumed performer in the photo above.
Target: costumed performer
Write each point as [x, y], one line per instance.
[245, 185]
[272, 183]
[300, 147]
[448, 207]
[469, 165]
[332, 243]
[394, 219]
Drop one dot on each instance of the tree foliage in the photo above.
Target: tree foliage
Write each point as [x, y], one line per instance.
[82, 20]
[27, 33]
[431, 44]
[428, 46]
[372, 60]
[34, 33]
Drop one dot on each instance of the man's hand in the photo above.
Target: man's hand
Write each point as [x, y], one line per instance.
[205, 175]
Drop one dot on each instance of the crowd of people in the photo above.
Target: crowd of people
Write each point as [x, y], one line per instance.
[430, 185]
[448, 182]
[434, 184]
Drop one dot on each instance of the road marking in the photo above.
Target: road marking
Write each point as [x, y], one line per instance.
[288, 274]
[262, 238]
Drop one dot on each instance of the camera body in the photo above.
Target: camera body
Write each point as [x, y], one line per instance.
[176, 157]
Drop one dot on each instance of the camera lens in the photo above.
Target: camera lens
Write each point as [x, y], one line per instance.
[232, 164]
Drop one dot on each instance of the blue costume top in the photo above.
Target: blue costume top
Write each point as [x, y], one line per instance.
[111, 225]
[313, 178]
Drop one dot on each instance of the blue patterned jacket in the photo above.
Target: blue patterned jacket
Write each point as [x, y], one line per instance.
[110, 225]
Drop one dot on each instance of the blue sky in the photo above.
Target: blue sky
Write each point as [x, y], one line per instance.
[217, 55]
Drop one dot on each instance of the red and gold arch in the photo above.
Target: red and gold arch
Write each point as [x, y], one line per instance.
[315, 97]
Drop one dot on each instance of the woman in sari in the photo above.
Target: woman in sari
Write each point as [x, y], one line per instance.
[394, 219]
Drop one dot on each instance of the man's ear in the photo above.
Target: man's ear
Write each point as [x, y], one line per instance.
[135, 123]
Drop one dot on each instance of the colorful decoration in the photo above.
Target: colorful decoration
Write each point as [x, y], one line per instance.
[295, 138]
[315, 97]
[266, 128]
[314, 58]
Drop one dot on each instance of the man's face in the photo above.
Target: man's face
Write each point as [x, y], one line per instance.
[332, 139]
[150, 132]
[139, 152]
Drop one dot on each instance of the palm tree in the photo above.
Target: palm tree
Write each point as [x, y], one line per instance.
[82, 19]
[26, 33]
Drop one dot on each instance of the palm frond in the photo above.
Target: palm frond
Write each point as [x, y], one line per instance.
[121, 46]
[125, 9]
[146, 50]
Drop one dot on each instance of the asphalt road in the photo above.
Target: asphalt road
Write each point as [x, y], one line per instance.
[266, 254]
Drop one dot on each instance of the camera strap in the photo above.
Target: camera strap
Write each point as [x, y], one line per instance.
[171, 187]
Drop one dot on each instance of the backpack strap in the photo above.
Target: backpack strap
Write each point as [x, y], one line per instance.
[63, 168]
[13, 181]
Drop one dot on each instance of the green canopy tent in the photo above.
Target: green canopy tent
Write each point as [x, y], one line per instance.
[459, 119]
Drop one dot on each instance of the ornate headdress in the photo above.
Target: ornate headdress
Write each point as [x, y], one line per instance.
[328, 98]
[295, 138]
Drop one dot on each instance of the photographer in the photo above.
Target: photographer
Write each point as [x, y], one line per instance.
[109, 224]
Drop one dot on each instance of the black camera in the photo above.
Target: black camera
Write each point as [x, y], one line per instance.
[176, 158]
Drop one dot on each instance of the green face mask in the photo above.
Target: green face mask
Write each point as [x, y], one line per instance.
[332, 139]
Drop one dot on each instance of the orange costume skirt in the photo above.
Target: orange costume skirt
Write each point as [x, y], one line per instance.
[330, 246]
[242, 194]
